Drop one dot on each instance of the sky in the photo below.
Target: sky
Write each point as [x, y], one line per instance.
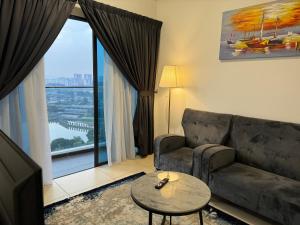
[72, 51]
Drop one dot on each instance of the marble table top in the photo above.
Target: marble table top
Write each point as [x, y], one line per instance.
[183, 194]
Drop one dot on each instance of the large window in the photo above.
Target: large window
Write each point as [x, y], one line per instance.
[69, 86]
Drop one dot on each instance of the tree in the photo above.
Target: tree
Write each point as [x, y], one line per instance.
[62, 143]
[90, 136]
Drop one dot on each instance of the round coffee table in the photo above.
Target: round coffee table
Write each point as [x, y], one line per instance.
[182, 195]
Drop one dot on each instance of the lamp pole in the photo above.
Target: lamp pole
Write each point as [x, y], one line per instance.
[169, 112]
[169, 79]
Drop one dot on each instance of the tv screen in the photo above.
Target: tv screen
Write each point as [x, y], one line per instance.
[21, 188]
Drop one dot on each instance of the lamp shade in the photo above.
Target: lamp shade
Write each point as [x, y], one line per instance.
[170, 77]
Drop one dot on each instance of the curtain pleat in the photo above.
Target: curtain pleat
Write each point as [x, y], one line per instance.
[24, 118]
[132, 41]
[27, 30]
[119, 108]
[37, 120]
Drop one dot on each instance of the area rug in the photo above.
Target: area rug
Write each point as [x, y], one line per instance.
[112, 205]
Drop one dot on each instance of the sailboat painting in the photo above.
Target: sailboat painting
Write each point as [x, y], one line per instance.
[261, 31]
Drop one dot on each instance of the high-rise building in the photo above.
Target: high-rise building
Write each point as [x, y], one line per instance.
[78, 80]
[88, 79]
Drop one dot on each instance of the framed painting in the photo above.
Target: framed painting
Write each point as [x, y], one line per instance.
[261, 31]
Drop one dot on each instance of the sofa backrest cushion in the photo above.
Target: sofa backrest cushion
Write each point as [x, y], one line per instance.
[205, 127]
[269, 145]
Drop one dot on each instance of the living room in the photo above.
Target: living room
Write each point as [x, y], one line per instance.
[224, 134]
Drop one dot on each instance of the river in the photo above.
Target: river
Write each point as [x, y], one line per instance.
[58, 131]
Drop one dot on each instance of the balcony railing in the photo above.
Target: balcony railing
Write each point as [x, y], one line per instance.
[76, 150]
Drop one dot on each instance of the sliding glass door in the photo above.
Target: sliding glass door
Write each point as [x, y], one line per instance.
[74, 87]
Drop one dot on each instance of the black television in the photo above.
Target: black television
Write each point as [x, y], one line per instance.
[21, 187]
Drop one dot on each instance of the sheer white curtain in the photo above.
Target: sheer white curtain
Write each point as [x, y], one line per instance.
[24, 118]
[119, 108]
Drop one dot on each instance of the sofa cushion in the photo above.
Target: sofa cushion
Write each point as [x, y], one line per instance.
[180, 160]
[268, 145]
[205, 127]
[268, 194]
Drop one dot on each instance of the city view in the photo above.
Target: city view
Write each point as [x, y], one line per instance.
[71, 111]
[78, 80]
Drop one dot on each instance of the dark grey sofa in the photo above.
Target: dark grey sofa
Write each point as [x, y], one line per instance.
[253, 163]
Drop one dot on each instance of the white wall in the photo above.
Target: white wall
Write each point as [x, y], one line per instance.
[143, 7]
[265, 88]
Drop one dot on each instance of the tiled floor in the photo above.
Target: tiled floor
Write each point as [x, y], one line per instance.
[77, 183]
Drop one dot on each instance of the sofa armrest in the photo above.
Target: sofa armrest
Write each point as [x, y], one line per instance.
[166, 143]
[197, 158]
[215, 158]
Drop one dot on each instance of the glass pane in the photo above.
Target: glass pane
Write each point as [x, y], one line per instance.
[102, 157]
[70, 98]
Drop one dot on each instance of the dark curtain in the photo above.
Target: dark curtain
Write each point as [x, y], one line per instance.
[132, 41]
[27, 30]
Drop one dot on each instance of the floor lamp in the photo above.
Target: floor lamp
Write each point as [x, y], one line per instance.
[169, 79]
